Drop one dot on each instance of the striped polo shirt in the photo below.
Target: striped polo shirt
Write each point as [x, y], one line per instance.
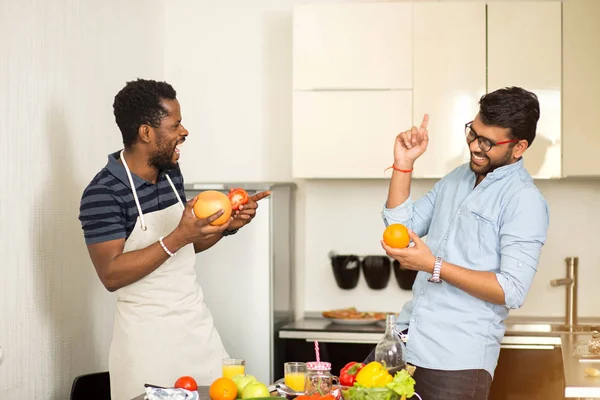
[108, 211]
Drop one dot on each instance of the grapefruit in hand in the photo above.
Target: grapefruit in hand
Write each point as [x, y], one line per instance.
[211, 201]
[396, 236]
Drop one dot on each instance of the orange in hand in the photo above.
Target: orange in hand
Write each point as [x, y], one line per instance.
[223, 389]
[396, 236]
[210, 202]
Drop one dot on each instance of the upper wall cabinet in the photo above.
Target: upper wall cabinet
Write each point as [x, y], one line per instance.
[449, 78]
[581, 85]
[339, 134]
[524, 49]
[352, 46]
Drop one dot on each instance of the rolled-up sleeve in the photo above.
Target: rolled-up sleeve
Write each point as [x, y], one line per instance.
[414, 215]
[523, 232]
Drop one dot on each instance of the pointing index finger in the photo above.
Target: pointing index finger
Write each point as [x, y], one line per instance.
[424, 123]
[261, 195]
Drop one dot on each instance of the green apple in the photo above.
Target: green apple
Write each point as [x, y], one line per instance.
[255, 389]
[241, 380]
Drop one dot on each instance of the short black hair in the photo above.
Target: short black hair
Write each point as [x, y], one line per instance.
[138, 103]
[511, 108]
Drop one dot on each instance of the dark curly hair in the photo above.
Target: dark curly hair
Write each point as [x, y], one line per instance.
[138, 103]
[511, 108]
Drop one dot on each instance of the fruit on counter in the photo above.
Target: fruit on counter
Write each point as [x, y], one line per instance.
[187, 383]
[255, 389]
[238, 197]
[223, 389]
[373, 375]
[396, 236]
[348, 373]
[241, 381]
[210, 202]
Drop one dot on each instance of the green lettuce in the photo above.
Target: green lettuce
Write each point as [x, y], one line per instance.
[403, 384]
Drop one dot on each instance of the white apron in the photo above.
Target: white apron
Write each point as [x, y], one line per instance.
[162, 328]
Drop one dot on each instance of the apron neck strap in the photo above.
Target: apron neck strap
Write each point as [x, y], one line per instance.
[175, 191]
[135, 196]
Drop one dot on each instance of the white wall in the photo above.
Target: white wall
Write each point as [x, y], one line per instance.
[61, 64]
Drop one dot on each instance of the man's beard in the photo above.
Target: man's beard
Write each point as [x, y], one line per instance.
[490, 166]
[162, 159]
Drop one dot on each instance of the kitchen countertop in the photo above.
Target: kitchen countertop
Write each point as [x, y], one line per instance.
[578, 385]
[521, 333]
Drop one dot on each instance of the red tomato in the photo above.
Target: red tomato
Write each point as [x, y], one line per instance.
[187, 383]
[238, 197]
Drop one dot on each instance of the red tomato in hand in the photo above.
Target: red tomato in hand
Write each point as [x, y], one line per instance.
[187, 383]
[238, 197]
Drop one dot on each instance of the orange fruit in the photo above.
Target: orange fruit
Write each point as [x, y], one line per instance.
[223, 389]
[396, 236]
[211, 201]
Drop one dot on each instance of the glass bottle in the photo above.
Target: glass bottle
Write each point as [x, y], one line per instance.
[390, 350]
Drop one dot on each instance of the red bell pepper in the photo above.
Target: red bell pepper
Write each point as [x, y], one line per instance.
[348, 373]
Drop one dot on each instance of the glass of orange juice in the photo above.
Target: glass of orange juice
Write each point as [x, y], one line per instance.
[294, 375]
[232, 367]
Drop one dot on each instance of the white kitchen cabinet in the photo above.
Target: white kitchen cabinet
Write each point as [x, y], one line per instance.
[581, 85]
[524, 49]
[352, 46]
[449, 78]
[338, 134]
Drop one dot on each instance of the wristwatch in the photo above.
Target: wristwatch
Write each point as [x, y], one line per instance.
[229, 232]
[437, 267]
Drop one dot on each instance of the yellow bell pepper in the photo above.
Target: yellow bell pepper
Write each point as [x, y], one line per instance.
[373, 375]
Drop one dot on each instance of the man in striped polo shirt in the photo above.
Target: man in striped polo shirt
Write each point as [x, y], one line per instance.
[142, 238]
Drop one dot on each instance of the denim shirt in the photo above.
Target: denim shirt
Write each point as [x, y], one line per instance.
[499, 226]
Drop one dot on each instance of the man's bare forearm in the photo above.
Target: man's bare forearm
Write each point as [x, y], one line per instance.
[399, 186]
[202, 245]
[129, 267]
[480, 284]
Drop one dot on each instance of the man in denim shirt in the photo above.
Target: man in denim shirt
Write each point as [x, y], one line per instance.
[486, 223]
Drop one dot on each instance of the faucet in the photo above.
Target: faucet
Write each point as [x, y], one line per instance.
[571, 286]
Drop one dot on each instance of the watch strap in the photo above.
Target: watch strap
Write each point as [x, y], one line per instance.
[437, 267]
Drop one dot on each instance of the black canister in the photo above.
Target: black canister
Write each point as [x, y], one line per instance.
[346, 270]
[377, 270]
[404, 277]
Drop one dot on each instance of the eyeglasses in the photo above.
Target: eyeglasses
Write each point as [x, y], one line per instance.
[485, 144]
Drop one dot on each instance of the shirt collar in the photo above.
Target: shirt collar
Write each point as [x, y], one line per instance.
[504, 171]
[115, 167]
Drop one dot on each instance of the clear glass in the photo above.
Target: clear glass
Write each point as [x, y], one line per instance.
[232, 367]
[390, 351]
[294, 375]
[319, 379]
